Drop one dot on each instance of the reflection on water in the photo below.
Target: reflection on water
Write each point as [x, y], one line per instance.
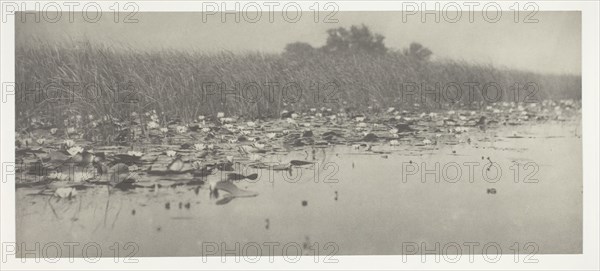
[504, 189]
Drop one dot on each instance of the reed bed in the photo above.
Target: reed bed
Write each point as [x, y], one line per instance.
[59, 80]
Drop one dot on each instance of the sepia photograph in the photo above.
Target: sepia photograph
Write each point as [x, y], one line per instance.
[253, 131]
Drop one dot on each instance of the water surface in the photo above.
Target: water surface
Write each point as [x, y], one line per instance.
[362, 202]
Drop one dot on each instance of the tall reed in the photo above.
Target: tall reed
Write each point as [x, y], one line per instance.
[55, 80]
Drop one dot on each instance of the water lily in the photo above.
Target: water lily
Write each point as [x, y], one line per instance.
[74, 150]
[394, 143]
[41, 141]
[153, 125]
[170, 153]
[251, 124]
[259, 145]
[181, 129]
[135, 153]
[206, 130]
[199, 146]
[69, 143]
[27, 141]
[59, 176]
[426, 141]
[53, 131]
[164, 129]
[70, 130]
[270, 135]
[360, 119]
[254, 157]
[220, 115]
[461, 129]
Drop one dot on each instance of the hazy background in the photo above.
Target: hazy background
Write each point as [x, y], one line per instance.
[553, 45]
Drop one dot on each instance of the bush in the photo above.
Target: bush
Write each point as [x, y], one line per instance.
[299, 49]
[357, 39]
[418, 51]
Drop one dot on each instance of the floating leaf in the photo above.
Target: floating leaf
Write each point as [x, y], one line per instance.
[65, 192]
[300, 163]
[58, 156]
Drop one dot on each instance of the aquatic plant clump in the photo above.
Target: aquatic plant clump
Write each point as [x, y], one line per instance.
[57, 81]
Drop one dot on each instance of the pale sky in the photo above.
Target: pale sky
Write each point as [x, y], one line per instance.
[553, 45]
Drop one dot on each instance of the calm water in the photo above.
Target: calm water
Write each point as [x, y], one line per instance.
[364, 202]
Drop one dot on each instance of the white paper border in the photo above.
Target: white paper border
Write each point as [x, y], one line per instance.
[590, 73]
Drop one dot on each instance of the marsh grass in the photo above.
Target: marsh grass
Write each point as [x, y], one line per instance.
[58, 80]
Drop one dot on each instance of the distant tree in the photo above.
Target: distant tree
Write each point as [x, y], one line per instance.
[418, 51]
[299, 49]
[357, 38]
